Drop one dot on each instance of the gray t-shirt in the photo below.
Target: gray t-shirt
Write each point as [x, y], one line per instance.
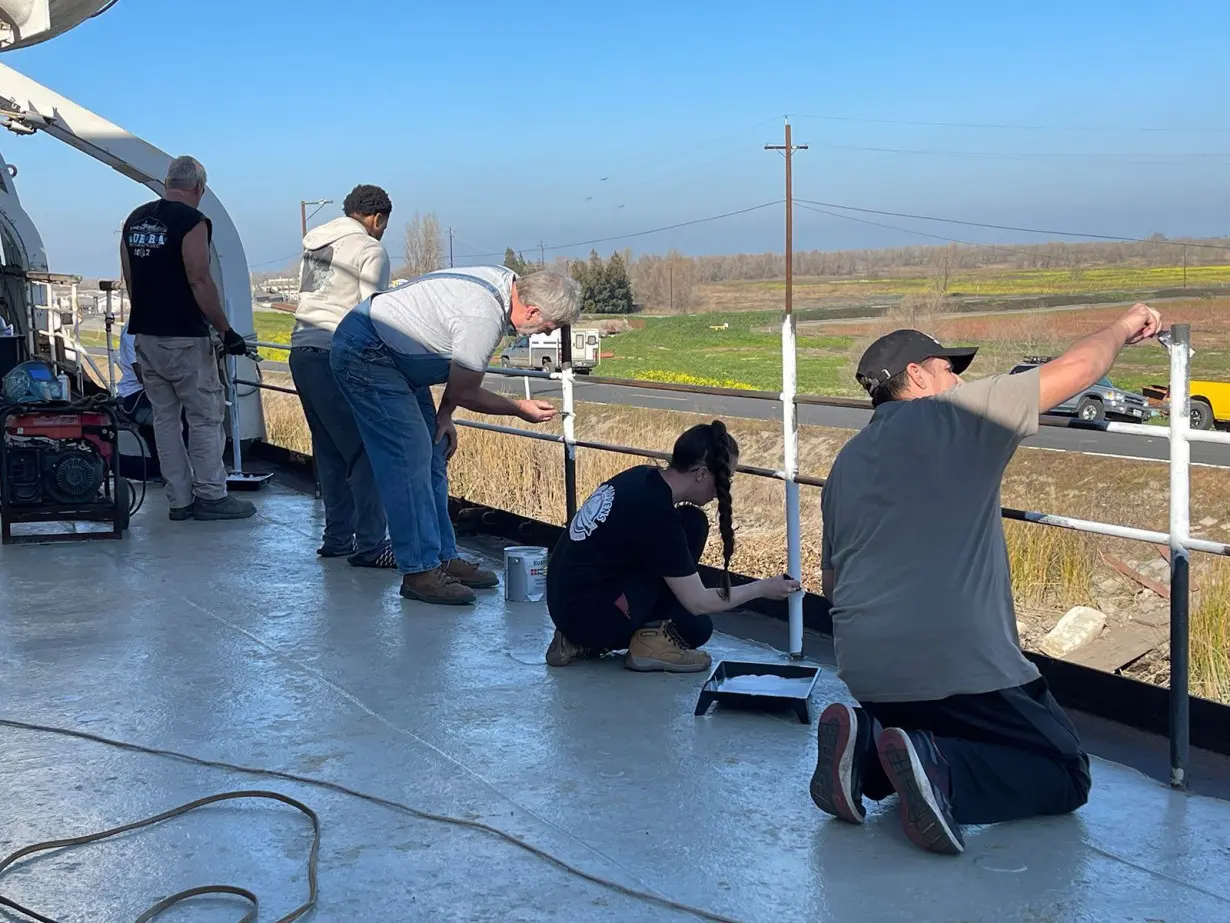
[459, 313]
[922, 595]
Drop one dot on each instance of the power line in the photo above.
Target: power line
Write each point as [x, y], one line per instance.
[895, 227]
[1006, 125]
[582, 243]
[1007, 227]
[284, 259]
[603, 240]
[1000, 155]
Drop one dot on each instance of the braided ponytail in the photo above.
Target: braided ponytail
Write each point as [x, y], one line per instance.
[711, 445]
[720, 458]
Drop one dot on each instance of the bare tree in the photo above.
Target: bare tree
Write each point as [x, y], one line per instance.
[424, 245]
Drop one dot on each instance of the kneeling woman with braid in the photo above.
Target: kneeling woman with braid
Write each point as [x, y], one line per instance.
[624, 575]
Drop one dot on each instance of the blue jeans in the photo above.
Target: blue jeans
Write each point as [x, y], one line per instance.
[390, 396]
[354, 513]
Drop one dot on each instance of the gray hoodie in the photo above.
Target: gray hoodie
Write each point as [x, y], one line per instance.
[342, 265]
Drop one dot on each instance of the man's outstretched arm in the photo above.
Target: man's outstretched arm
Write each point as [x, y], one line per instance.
[1087, 360]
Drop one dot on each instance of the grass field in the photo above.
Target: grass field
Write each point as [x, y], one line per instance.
[1117, 281]
[1053, 569]
[746, 352]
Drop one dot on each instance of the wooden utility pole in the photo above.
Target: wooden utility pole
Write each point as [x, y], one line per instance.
[450, 248]
[789, 150]
[542, 254]
[790, 420]
[303, 215]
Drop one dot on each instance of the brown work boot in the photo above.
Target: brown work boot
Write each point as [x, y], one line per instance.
[660, 648]
[562, 652]
[471, 575]
[435, 586]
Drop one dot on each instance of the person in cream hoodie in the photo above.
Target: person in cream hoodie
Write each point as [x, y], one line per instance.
[343, 264]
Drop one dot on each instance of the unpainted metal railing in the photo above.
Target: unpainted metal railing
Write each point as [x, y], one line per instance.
[1179, 539]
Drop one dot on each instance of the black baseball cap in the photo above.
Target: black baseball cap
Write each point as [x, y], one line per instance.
[893, 352]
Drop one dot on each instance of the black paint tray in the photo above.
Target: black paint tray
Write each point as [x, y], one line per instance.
[725, 686]
[247, 480]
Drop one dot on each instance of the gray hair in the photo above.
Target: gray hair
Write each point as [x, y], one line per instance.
[557, 296]
[185, 173]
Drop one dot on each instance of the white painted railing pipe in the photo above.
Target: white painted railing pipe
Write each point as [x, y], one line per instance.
[1180, 524]
[790, 466]
[1207, 435]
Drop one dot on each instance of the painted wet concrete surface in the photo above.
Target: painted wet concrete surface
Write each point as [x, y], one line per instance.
[234, 642]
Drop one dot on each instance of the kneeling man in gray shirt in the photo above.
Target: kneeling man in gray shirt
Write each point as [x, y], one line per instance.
[951, 716]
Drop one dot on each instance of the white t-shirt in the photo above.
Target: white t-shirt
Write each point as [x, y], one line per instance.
[128, 383]
[462, 314]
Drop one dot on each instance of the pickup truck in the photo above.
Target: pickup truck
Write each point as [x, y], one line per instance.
[1104, 401]
[1209, 405]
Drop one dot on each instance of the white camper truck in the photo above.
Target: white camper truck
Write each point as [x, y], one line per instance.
[542, 351]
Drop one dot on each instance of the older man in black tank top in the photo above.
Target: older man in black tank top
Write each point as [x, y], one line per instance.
[165, 256]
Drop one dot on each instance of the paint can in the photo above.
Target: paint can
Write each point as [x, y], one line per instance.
[525, 573]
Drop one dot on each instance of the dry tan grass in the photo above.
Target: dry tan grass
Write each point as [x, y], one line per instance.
[1053, 569]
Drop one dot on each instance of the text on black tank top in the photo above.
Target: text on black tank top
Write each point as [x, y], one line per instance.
[159, 292]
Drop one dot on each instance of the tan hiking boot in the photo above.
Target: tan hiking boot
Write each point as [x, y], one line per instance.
[471, 575]
[562, 652]
[661, 648]
[435, 586]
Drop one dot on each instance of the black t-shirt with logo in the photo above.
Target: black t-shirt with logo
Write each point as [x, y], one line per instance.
[161, 298]
[629, 524]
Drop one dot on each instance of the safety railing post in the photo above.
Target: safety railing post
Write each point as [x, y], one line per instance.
[567, 381]
[232, 396]
[1180, 513]
[790, 440]
[77, 354]
[108, 321]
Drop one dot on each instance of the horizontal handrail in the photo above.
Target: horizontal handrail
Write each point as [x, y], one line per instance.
[1109, 530]
[1208, 435]
[1112, 531]
[267, 387]
[820, 400]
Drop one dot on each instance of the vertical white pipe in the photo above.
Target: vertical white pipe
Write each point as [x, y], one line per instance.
[1180, 524]
[1180, 448]
[77, 351]
[526, 380]
[790, 441]
[567, 380]
[108, 320]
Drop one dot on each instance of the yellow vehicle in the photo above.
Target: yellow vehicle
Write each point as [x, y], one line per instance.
[1209, 403]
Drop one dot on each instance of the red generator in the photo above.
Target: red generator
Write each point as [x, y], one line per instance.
[58, 464]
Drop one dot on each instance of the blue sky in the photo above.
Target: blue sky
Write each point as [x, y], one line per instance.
[505, 119]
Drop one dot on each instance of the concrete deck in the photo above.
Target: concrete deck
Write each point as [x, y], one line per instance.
[232, 641]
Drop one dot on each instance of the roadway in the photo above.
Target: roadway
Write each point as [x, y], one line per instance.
[1054, 438]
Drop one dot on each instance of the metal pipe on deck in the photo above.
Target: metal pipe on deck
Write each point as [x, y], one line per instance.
[568, 388]
[1180, 514]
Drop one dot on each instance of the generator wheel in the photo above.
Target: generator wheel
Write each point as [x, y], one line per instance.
[123, 499]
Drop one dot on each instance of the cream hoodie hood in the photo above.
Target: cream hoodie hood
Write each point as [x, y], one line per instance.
[342, 265]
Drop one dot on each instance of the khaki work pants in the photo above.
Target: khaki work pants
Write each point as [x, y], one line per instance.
[180, 375]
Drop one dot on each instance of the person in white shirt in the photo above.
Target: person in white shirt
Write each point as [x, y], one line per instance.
[343, 263]
[442, 327]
